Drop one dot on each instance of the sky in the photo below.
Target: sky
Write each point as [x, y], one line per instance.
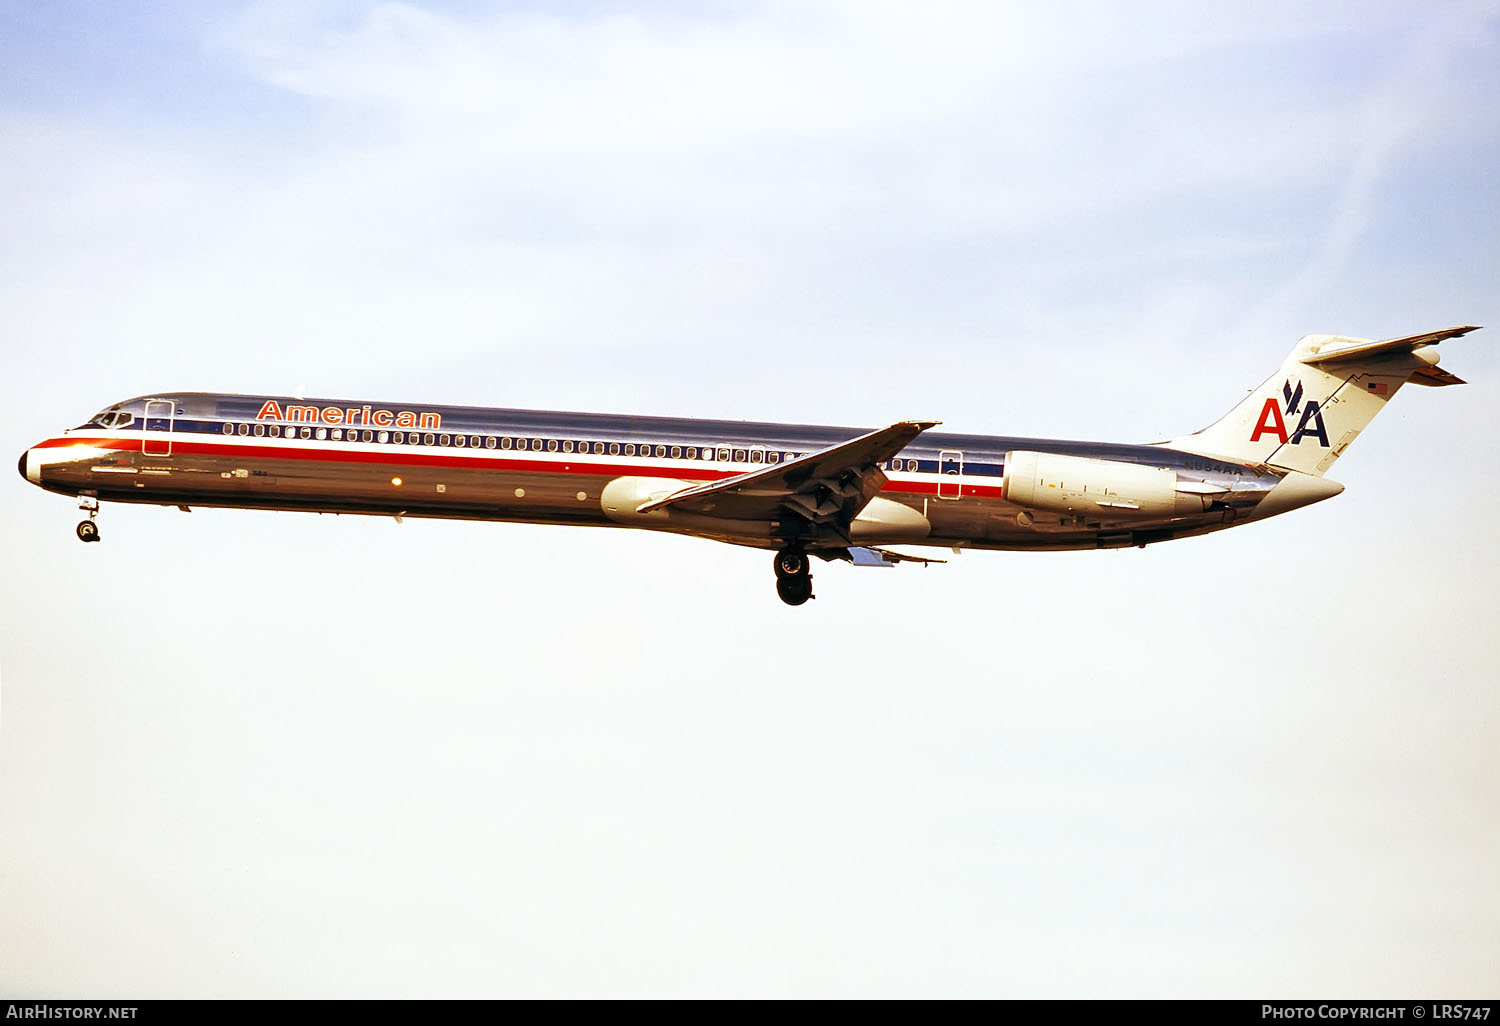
[255, 754]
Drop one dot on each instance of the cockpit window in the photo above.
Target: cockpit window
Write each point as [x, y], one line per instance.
[110, 419]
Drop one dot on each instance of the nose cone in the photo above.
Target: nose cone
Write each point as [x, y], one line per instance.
[28, 468]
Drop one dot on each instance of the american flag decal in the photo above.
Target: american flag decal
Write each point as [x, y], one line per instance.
[1378, 388]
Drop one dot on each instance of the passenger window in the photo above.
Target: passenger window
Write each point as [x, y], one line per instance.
[630, 449]
[489, 441]
[757, 456]
[442, 440]
[228, 427]
[771, 457]
[677, 452]
[568, 446]
[383, 437]
[274, 430]
[369, 436]
[244, 429]
[260, 429]
[551, 445]
[661, 450]
[460, 440]
[505, 442]
[307, 432]
[336, 434]
[739, 455]
[614, 448]
[598, 448]
[723, 455]
[428, 438]
[536, 443]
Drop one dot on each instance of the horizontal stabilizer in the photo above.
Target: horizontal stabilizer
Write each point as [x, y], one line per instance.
[1435, 376]
[1356, 349]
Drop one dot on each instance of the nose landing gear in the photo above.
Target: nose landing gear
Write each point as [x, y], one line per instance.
[88, 531]
[793, 577]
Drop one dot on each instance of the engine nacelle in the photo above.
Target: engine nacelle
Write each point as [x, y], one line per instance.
[1093, 488]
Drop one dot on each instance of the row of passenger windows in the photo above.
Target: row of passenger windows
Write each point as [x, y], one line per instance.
[676, 452]
[723, 454]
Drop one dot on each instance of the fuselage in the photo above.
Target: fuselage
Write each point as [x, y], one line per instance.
[417, 460]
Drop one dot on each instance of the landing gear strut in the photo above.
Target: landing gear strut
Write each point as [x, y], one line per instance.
[793, 577]
[88, 531]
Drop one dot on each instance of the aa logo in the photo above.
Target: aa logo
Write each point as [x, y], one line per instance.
[1272, 422]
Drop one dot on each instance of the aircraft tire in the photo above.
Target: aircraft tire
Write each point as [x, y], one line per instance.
[790, 563]
[795, 590]
[88, 531]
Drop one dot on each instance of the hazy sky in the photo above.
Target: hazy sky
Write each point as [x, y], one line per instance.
[263, 754]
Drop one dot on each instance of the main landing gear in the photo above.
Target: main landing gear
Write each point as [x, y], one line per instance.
[88, 531]
[793, 577]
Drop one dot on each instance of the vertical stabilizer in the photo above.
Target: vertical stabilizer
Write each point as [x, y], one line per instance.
[1304, 416]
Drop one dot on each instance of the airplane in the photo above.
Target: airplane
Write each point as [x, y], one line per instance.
[800, 491]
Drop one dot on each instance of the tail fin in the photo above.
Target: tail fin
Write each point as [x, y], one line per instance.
[1306, 414]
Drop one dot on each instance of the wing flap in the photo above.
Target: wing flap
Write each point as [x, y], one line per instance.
[874, 555]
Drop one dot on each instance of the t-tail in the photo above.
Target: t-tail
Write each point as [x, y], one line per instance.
[1308, 413]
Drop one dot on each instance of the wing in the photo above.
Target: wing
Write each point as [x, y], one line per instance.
[826, 487]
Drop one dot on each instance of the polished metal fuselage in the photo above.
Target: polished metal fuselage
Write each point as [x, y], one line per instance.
[336, 456]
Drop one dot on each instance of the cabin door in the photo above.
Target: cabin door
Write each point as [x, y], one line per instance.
[157, 438]
[950, 469]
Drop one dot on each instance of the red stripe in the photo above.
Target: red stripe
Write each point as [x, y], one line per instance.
[398, 456]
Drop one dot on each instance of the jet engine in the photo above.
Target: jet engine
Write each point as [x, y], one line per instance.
[1095, 488]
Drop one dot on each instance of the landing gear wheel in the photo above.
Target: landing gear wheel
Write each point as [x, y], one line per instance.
[88, 531]
[795, 590]
[793, 576]
[791, 563]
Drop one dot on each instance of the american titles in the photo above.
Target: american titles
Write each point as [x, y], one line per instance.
[363, 415]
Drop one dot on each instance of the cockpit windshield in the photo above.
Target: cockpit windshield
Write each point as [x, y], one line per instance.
[111, 418]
